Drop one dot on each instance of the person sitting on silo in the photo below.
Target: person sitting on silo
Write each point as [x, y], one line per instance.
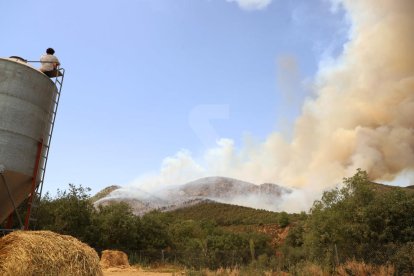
[49, 63]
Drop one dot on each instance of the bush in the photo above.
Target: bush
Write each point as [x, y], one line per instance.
[283, 219]
[404, 258]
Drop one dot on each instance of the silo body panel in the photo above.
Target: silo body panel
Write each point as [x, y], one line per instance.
[26, 98]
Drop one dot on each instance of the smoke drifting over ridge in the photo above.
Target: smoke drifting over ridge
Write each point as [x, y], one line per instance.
[362, 116]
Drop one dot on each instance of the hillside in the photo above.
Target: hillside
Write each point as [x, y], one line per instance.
[104, 192]
[378, 187]
[226, 214]
[218, 198]
[212, 189]
[239, 219]
[224, 187]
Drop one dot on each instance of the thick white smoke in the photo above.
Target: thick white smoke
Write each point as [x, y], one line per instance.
[362, 116]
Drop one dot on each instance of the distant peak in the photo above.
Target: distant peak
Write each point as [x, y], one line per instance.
[104, 192]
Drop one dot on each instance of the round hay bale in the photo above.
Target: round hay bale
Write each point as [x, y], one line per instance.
[114, 258]
[46, 253]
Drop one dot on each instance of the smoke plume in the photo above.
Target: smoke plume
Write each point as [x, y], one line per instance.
[361, 115]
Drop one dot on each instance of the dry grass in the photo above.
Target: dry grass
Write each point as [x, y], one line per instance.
[307, 268]
[46, 253]
[221, 272]
[114, 258]
[363, 269]
[165, 268]
[239, 271]
[312, 269]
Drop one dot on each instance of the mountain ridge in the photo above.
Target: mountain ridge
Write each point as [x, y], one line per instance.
[211, 189]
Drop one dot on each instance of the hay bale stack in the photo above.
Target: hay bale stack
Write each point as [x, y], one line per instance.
[46, 253]
[114, 258]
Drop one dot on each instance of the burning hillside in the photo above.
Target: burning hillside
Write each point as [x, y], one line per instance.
[218, 189]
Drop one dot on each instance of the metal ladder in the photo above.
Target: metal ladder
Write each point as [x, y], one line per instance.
[43, 153]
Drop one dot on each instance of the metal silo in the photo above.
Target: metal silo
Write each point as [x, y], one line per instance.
[28, 105]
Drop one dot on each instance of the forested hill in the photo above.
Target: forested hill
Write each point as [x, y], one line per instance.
[218, 189]
[378, 187]
[226, 214]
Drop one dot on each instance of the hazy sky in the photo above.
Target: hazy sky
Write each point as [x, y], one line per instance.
[148, 78]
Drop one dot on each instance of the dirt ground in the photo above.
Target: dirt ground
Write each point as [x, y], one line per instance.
[133, 271]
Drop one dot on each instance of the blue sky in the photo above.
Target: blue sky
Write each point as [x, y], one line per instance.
[138, 71]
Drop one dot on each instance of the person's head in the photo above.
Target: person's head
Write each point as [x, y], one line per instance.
[50, 51]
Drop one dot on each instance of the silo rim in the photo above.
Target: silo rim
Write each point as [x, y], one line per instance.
[27, 65]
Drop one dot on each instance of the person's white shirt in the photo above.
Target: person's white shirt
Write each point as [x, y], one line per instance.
[48, 62]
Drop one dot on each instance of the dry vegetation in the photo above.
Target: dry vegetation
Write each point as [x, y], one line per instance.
[357, 268]
[46, 253]
[349, 268]
[114, 258]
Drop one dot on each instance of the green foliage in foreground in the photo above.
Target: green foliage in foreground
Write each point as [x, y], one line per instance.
[194, 243]
[357, 221]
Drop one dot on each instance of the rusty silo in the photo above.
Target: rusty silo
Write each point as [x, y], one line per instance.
[28, 105]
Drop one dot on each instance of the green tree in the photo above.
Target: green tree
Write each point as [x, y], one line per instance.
[338, 219]
[115, 227]
[70, 212]
[154, 231]
[283, 219]
[362, 220]
[295, 236]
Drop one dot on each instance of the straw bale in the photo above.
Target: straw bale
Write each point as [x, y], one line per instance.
[114, 258]
[46, 253]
